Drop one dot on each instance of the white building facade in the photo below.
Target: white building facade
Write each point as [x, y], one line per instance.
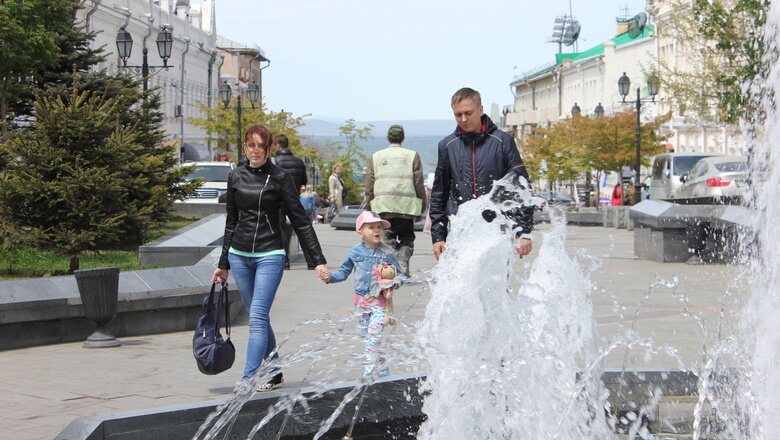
[195, 60]
[589, 78]
[585, 79]
[689, 133]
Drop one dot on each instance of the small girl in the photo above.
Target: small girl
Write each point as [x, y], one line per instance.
[371, 291]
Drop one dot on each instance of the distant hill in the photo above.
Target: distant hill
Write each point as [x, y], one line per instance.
[434, 127]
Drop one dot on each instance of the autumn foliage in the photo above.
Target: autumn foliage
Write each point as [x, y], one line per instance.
[581, 144]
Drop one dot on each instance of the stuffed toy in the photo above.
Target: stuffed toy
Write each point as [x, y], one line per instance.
[385, 271]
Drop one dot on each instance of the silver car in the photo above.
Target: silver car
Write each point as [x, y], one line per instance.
[716, 177]
[214, 174]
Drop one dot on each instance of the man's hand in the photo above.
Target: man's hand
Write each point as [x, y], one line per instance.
[524, 247]
[438, 248]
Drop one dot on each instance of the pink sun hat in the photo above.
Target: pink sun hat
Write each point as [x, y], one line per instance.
[369, 217]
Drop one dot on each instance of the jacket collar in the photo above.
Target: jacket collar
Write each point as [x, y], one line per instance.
[488, 127]
[264, 168]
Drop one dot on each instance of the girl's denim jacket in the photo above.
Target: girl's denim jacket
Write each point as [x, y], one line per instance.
[363, 260]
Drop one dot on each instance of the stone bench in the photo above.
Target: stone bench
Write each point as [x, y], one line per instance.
[669, 232]
[41, 311]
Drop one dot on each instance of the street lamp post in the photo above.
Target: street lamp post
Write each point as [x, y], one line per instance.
[124, 46]
[253, 93]
[624, 85]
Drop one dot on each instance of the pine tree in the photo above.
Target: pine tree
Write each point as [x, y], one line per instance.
[29, 31]
[80, 179]
[74, 56]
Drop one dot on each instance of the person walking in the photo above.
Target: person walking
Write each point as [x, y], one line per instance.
[253, 247]
[396, 191]
[373, 293]
[286, 160]
[336, 188]
[308, 202]
[617, 195]
[470, 160]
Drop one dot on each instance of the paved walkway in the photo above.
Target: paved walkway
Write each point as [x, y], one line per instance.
[45, 388]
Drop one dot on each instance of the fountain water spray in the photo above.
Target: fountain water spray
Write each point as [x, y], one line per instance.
[509, 358]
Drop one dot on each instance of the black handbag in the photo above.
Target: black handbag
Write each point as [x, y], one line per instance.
[213, 353]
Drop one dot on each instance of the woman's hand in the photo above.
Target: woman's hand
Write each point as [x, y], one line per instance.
[219, 276]
[323, 273]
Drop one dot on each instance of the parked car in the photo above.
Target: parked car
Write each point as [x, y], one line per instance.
[553, 198]
[347, 218]
[722, 176]
[668, 168]
[214, 174]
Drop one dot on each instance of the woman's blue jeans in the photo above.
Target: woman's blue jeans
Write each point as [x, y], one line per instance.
[257, 280]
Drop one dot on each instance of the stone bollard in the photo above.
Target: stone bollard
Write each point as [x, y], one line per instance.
[99, 291]
[609, 216]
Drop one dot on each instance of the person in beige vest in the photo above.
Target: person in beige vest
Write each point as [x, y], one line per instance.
[395, 190]
[336, 188]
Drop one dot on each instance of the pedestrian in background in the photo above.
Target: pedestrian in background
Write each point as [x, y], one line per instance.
[286, 160]
[470, 160]
[395, 190]
[253, 247]
[336, 188]
[617, 195]
[308, 203]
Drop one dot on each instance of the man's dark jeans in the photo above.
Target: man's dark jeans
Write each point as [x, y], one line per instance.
[400, 233]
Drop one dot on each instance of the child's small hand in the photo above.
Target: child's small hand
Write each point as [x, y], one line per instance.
[323, 273]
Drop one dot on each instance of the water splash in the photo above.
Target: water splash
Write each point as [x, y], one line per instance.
[759, 402]
[508, 361]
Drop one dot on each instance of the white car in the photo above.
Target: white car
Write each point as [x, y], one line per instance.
[715, 177]
[215, 175]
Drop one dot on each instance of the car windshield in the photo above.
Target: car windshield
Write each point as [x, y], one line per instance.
[731, 166]
[210, 173]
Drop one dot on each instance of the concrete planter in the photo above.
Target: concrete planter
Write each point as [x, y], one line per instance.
[99, 292]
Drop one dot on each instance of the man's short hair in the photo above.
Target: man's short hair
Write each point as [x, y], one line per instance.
[466, 93]
[282, 141]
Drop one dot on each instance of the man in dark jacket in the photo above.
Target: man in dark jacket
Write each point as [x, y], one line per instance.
[295, 167]
[470, 160]
[286, 160]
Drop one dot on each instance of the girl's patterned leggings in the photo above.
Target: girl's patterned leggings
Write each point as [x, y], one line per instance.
[371, 325]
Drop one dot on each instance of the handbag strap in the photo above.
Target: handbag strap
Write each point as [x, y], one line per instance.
[210, 303]
[223, 298]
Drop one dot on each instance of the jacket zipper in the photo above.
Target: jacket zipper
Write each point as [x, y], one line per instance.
[257, 223]
[474, 169]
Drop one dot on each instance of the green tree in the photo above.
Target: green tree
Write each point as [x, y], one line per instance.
[222, 125]
[352, 158]
[79, 179]
[723, 42]
[75, 56]
[29, 31]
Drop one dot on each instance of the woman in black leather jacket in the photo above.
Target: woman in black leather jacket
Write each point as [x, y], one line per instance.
[253, 248]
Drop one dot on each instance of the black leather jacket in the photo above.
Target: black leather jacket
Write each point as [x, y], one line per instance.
[255, 199]
[468, 165]
[287, 161]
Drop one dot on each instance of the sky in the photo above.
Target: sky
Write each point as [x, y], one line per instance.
[403, 59]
